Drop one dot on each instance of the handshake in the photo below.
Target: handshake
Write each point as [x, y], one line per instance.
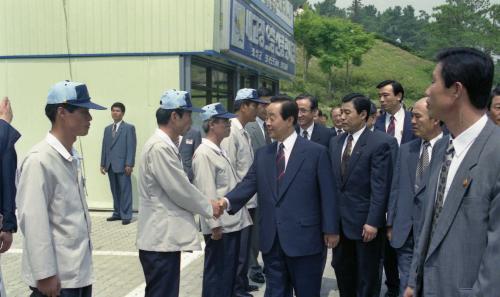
[218, 207]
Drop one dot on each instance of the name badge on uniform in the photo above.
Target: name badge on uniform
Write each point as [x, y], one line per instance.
[189, 141]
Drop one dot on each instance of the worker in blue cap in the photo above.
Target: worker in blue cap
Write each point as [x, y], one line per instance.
[168, 202]
[51, 202]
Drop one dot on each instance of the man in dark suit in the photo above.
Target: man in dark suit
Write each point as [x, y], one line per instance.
[117, 159]
[404, 211]
[361, 163]
[457, 252]
[8, 163]
[395, 121]
[337, 120]
[187, 147]
[294, 230]
[260, 137]
[308, 107]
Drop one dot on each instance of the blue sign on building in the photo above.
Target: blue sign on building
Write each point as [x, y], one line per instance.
[255, 36]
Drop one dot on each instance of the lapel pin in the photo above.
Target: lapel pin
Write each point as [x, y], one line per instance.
[465, 183]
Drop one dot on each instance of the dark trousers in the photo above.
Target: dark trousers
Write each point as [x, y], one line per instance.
[405, 255]
[285, 275]
[390, 260]
[254, 243]
[76, 292]
[162, 273]
[241, 283]
[356, 264]
[121, 189]
[221, 262]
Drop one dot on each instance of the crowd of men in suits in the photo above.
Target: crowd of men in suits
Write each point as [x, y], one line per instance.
[417, 193]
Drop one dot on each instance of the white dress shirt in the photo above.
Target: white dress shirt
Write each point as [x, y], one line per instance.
[261, 123]
[309, 131]
[117, 125]
[355, 138]
[399, 120]
[431, 145]
[288, 143]
[462, 144]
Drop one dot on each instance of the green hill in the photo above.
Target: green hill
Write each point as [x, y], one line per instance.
[383, 61]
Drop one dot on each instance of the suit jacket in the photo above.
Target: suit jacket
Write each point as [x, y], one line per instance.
[188, 145]
[8, 164]
[407, 130]
[462, 258]
[320, 134]
[214, 176]
[238, 146]
[256, 135]
[54, 218]
[118, 152]
[364, 194]
[304, 208]
[167, 201]
[404, 207]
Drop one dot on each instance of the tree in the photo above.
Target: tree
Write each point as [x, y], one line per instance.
[297, 3]
[473, 23]
[355, 11]
[329, 8]
[339, 44]
[307, 30]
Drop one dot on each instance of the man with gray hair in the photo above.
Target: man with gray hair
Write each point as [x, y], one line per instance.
[214, 176]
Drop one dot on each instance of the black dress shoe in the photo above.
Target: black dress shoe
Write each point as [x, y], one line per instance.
[125, 222]
[111, 219]
[258, 278]
[252, 288]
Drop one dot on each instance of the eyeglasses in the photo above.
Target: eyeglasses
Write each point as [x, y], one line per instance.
[303, 111]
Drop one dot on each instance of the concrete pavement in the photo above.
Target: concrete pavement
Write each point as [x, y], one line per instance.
[117, 270]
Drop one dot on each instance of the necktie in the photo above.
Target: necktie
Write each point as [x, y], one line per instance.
[391, 127]
[346, 156]
[423, 162]
[266, 133]
[113, 133]
[280, 165]
[176, 141]
[305, 134]
[438, 205]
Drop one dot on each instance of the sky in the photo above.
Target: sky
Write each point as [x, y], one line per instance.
[381, 5]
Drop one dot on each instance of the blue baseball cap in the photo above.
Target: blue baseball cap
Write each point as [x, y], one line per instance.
[215, 110]
[72, 93]
[249, 94]
[173, 99]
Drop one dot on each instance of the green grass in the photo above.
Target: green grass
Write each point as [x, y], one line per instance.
[383, 61]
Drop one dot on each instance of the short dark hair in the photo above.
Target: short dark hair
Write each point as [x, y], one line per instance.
[237, 104]
[51, 110]
[361, 103]
[289, 107]
[119, 105]
[320, 113]
[397, 88]
[264, 92]
[472, 68]
[163, 115]
[311, 98]
[373, 108]
[495, 92]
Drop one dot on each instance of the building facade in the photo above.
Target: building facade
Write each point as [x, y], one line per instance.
[131, 51]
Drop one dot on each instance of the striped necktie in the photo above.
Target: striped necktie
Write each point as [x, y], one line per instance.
[280, 165]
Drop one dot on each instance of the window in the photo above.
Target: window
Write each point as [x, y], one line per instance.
[210, 84]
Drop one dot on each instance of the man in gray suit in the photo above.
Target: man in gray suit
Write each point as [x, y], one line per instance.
[457, 252]
[117, 159]
[260, 137]
[404, 212]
